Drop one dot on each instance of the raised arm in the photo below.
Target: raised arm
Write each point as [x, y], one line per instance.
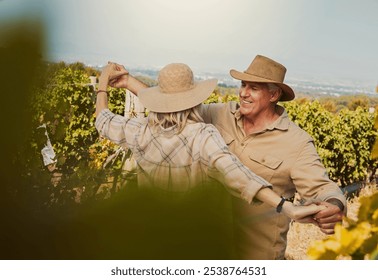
[108, 74]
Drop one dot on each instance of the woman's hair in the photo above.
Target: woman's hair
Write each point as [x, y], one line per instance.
[178, 119]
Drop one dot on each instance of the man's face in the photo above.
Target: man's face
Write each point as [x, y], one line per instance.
[254, 99]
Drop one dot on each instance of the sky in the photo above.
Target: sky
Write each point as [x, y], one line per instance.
[315, 39]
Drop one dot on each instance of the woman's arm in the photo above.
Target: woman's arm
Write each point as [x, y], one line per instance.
[110, 72]
[294, 212]
[111, 126]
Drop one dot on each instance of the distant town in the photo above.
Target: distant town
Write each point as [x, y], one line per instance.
[300, 86]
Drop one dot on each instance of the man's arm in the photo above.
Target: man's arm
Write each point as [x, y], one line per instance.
[313, 184]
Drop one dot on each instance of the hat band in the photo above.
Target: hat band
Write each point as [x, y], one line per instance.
[263, 77]
[176, 89]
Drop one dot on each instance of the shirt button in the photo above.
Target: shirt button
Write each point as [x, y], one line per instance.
[242, 144]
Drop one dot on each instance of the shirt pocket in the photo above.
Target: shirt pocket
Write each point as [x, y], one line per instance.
[265, 165]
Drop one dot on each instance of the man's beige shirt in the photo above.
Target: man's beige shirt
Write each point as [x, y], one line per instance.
[282, 154]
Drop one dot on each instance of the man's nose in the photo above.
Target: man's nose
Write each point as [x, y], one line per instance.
[243, 92]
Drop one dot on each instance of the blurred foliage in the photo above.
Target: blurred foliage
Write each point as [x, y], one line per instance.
[20, 53]
[21, 49]
[358, 240]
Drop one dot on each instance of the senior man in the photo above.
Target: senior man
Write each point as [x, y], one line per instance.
[261, 134]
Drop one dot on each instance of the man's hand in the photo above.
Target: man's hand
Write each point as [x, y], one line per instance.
[327, 218]
[115, 75]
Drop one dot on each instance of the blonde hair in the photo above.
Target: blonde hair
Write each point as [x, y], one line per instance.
[178, 119]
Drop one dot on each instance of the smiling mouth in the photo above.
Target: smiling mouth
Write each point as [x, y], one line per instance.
[246, 101]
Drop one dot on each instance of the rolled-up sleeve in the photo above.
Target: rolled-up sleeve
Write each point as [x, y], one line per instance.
[311, 179]
[111, 126]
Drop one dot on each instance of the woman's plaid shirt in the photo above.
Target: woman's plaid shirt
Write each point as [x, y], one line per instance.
[179, 161]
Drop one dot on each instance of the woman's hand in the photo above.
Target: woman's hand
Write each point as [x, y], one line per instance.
[112, 73]
[301, 213]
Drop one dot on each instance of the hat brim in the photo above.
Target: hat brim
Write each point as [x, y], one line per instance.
[156, 101]
[287, 92]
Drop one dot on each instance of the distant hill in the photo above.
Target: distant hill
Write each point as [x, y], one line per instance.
[302, 87]
[147, 80]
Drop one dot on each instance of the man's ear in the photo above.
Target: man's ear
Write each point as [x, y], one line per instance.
[276, 95]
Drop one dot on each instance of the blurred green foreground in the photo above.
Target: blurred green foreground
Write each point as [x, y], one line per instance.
[130, 225]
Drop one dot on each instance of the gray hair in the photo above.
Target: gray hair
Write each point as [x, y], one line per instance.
[273, 87]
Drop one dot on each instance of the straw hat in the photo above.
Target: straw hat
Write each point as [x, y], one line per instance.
[176, 90]
[265, 70]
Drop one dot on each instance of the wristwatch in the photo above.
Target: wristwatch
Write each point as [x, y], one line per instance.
[279, 206]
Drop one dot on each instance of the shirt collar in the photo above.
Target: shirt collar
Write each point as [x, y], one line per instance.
[282, 123]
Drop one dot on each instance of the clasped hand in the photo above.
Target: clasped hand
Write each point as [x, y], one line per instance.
[326, 219]
[115, 75]
[111, 74]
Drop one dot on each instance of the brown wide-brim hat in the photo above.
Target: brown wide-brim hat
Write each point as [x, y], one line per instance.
[176, 90]
[265, 70]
